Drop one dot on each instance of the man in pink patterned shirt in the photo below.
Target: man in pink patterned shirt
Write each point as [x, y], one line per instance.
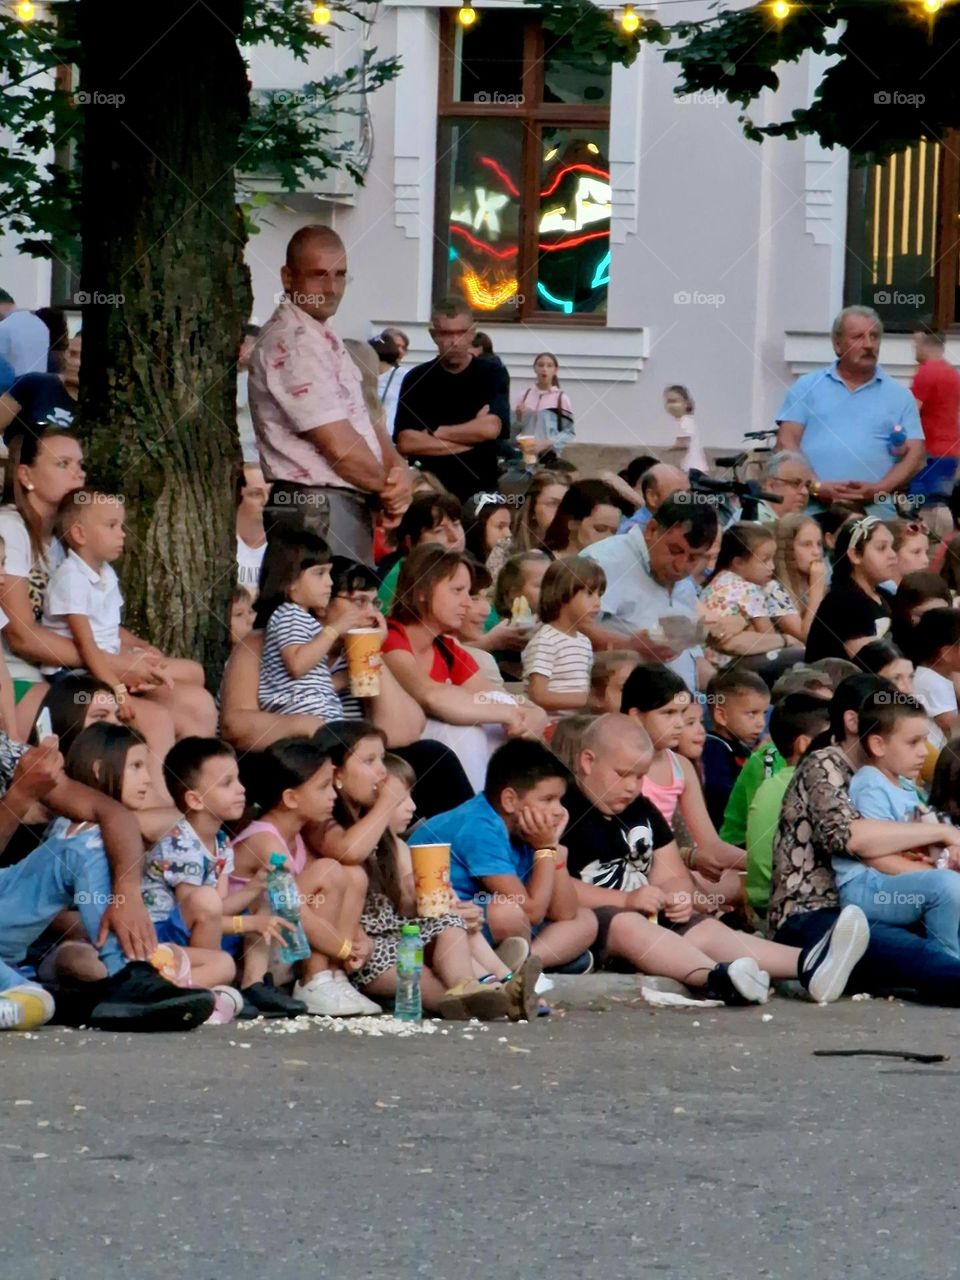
[329, 463]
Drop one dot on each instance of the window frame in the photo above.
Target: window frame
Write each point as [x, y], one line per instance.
[534, 115]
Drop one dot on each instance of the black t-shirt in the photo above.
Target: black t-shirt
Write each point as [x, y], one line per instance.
[432, 397]
[612, 852]
[42, 397]
[847, 613]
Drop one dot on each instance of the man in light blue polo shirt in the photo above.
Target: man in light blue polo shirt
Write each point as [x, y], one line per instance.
[841, 418]
[649, 577]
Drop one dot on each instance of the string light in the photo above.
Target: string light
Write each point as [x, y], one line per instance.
[321, 15]
[466, 15]
[630, 20]
[26, 11]
[780, 9]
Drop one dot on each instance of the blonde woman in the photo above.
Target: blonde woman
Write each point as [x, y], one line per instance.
[799, 580]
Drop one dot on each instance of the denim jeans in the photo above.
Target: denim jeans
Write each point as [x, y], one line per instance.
[932, 897]
[60, 873]
[896, 960]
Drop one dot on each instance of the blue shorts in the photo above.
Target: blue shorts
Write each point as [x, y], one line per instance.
[174, 929]
[934, 481]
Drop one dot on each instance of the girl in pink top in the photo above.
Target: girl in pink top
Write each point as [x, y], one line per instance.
[659, 699]
[292, 784]
[544, 411]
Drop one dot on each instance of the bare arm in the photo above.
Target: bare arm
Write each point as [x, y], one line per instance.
[533, 898]
[349, 455]
[301, 658]
[95, 659]
[242, 723]
[451, 703]
[872, 838]
[789, 437]
[564, 904]
[27, 638]
[539, 691]
[398, 714]
[9, 409]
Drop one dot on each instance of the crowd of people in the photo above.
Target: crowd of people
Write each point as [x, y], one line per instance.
[659, 734]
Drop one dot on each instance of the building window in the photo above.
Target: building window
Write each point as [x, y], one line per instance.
[903, 248]
[523, 179]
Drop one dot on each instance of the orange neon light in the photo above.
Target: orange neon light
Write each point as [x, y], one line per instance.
[486, 297]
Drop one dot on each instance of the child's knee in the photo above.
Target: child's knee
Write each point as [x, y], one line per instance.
[325, 876]
[507, 920]
[356, 879]
[587, 920]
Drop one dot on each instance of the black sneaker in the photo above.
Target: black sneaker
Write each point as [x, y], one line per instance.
[825, 967]
[138, 999]
[740, 982]
[264, 1000]
[580, 964]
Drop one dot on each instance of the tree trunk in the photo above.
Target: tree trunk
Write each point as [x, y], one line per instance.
[167, 294]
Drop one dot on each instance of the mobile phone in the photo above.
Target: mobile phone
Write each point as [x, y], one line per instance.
[42, 726]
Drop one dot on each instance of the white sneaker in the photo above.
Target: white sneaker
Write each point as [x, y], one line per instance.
[826, 966]
[227, 1005]
[355, 996]
[749, 980]
[325, 998]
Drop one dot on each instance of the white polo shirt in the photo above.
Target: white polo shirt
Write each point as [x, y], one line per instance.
[76, 588]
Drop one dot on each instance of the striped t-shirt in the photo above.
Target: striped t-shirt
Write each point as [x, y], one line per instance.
[564, 660]
[311, 694]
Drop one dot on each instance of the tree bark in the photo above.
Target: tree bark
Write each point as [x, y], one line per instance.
[166, 295]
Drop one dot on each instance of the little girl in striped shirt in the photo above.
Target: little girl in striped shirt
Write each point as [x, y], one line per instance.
[558, 658]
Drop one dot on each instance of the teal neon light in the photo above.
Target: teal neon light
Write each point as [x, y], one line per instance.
[602, 274]
[565, 306]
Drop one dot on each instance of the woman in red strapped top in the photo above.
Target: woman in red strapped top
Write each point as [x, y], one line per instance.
[464, 710]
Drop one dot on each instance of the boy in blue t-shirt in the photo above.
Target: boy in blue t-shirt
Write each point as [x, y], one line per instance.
[505, 854]
[898, 889]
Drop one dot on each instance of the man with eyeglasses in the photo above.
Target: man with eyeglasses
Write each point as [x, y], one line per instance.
[330, 464]
[788, 476]
[453, 409]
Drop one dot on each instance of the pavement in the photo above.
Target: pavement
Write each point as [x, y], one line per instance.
[611, 1140]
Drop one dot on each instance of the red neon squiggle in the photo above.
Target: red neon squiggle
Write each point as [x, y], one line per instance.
[574, 168]
[501, 174]
[500, 254]
[572, 244]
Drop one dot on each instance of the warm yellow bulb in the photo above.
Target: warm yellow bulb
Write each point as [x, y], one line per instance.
[467, 15]
[780, 9]
[26, 11]
[321, 15]
[933, 6]
[630, 21]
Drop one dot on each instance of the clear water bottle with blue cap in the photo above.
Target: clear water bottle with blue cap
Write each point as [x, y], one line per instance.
[284, 898]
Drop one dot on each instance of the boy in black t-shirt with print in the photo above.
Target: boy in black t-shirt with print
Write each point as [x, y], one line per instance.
[627, 868]
[739, 701]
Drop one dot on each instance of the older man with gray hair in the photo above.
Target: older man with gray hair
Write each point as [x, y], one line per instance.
[786, 475]
[843, 417]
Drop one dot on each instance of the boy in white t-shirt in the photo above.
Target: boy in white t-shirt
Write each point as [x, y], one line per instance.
[558, 658]
[935, 648]
[83, 603]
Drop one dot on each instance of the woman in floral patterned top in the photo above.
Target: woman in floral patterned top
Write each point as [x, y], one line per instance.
[738, 590]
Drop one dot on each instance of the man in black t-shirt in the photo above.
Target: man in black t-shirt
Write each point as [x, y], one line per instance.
[626, 867]
[454, 409]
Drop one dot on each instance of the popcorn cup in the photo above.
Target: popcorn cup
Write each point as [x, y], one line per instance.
[431, 875]
[528, 445]
[363, 661]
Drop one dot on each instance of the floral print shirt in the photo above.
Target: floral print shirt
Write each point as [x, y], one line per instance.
[814, 826]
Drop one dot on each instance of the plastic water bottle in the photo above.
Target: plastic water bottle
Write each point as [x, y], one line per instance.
[407, 1005]
[896, 440]
[284, 899]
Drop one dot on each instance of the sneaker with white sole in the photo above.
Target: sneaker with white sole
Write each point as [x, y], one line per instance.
[228, 1002]
[825, 966]
[742, 981]
[367, 1006]
[325, 998]
[23, 1008]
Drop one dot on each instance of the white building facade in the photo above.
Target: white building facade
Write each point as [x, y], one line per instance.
[637, 236]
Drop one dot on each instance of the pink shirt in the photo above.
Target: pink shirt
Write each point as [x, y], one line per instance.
[302, 377]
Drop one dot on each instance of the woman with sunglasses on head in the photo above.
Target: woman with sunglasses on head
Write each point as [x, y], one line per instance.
[857, 608]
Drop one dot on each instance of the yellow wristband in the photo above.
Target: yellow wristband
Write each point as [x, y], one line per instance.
[237, 925]
[332, 632]
[345, 949]
[545, 853]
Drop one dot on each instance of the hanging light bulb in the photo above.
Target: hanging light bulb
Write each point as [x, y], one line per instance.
[630, 20]
[932, 6]
[466, 15]
[26, 11]
[321, 15]
[780, 9]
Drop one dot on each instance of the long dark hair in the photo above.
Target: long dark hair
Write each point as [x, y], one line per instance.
[107, 745]
[339, 739]
[478, 511]
[580, 499]
[285, 764]
[68, 700]
[289, 553]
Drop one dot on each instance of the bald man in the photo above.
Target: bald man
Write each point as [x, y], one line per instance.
[331, 464]
[656, 485]
[627, 868]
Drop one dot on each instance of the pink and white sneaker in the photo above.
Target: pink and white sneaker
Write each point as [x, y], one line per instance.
[227, 1004]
